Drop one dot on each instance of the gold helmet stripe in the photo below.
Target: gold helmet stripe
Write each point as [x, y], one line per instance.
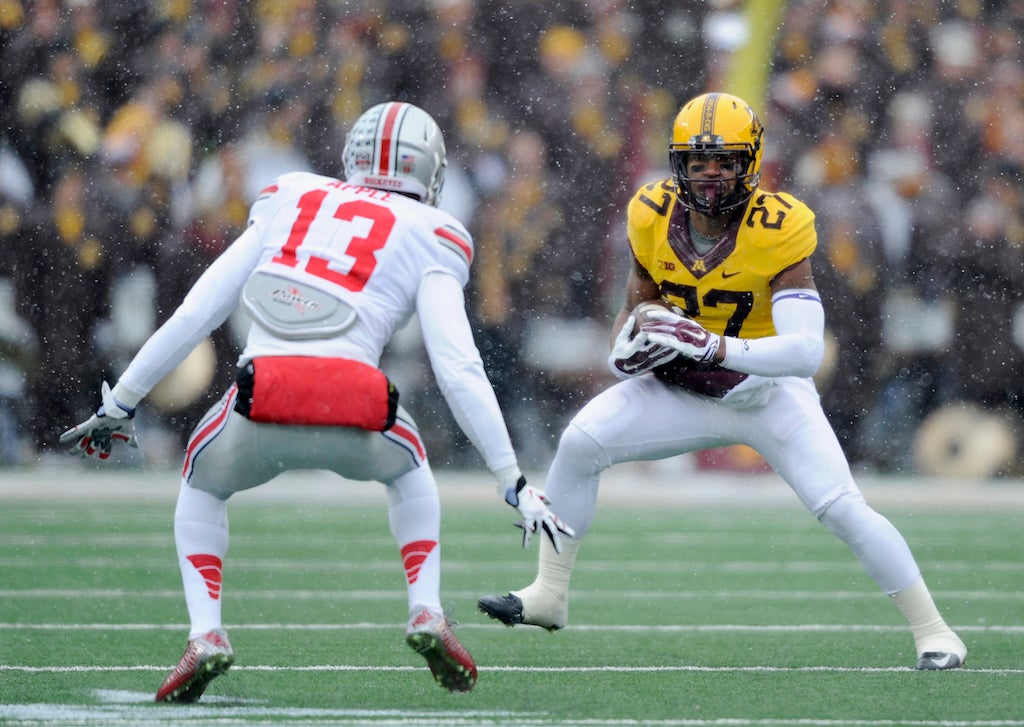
[707, 116]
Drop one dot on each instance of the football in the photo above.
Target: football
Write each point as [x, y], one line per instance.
[642, 312]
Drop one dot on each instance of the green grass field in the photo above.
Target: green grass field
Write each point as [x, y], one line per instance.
[730, 610]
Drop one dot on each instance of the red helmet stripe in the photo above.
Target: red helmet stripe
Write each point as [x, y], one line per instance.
[386, 137]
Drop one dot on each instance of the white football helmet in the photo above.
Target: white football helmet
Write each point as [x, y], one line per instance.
[397, 147]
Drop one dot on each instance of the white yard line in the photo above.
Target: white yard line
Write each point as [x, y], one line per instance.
[587, 595]
[329, 668]
[135, 709]
[603, 628]
[119, 709]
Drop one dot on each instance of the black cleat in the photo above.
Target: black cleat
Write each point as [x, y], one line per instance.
[936, 660]
[508, 608]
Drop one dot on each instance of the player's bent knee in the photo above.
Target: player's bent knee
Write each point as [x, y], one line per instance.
[579, 446]
[849, 516]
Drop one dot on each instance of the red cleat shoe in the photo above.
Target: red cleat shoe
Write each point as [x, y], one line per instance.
[430, 635]
[205, 658]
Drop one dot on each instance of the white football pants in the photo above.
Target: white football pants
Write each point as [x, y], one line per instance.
[643, 419]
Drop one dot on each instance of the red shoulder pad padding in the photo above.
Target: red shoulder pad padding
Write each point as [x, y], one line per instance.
[310, 391]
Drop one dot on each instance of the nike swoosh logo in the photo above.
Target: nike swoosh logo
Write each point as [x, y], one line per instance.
[942, 662]
[798, 295]
[729, 275]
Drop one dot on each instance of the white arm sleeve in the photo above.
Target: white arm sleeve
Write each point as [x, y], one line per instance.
[798, 347]
[206, 306]
[460, 374]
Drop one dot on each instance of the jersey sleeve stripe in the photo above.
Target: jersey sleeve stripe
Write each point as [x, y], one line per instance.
[456, 242]
[798, 294]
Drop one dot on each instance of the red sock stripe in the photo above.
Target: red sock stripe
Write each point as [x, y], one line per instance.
[413, 555]
[209, 567]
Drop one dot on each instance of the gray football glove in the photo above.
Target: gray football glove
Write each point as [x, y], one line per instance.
[111, 423]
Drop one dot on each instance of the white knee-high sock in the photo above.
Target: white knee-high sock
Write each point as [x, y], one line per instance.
[414, 514]
[201, 538]
[554, 570]
[931, 633]
[546, 600]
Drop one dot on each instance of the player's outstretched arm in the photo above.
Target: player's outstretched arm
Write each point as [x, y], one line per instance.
[460, 374]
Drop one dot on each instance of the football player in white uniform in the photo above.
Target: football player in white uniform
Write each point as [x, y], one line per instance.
[329, 270]
[732, 364]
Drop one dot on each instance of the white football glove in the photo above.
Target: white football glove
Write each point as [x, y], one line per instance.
[683, 334]
[532, 503]
[635, 355]
[95, 436]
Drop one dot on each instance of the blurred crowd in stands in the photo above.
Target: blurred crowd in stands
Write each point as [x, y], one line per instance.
[135, 134]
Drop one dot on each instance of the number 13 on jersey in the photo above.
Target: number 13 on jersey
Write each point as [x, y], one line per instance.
[368, 225]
